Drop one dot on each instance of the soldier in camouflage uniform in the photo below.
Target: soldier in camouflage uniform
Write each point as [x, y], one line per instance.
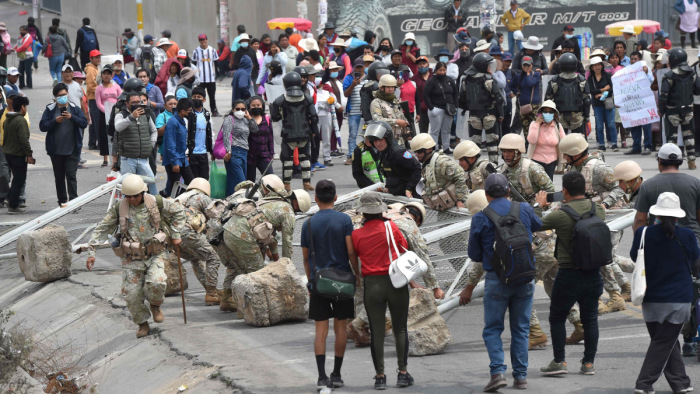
[467, 154]
[385, 108]
[195, 247]
[444, 179]
[145, 224]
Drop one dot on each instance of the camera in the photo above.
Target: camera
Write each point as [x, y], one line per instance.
[555, 197]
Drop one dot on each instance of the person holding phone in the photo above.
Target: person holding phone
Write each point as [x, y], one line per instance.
[352, 84]
[237, 126]
[63, 122]
[105, 96]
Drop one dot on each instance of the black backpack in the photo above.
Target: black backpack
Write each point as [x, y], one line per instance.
[148, 63]
[569, 97]
[591, 247]
[513, 258]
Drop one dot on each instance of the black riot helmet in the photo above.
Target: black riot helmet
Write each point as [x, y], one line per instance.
[133, 85]
[275, 68]
[568, 62]
[291, 79]
[377, 130]
[481, 62]
[676, 56]
[3, 76]
[376, 70]
[302, 71]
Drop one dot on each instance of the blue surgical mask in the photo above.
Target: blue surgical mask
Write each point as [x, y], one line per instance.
[409, 42]
[569, 36]
[244, 45]
[366, 71]
[547, 117]
[444, 59]
[334, 74]
[62, 100]
[423, 70]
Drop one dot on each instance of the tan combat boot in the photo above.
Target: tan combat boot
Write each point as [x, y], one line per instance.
[308, 187]
[157, 313]
[691, 165]
[616, 303]
[537, 338]
[288, 187]
[212, 296]
[626, 292]
[143, 330]
[227, 303]
[577, 335]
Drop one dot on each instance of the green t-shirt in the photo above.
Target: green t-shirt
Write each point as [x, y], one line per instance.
[564, 226]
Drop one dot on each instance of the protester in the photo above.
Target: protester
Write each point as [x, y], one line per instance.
[199, 135]
[222, 64]
[261, 145]
[499, 297]
[274, 54]
[645, 129]
[63, 122]
[105, 97]
[175, 145]
[59, 49]
[12, 79]
[526, 86]
[352, 84]
[567, 34]
[25, 55]
[290, 50]
[6, 44]
[601, 88]
[410, 52]
[533, 49]
[151, 58]
[455, 17]
[155, 96]
[161, 121]
[119, 75]
[544, 136]
[439, 93]
[242, 84]
[688, 24]
[246, 49]
[18, 151]
[137, 137]
[86, 42]
[421, 78]
[186, 83]
[384, 50]
[237, 127]
[515, 20]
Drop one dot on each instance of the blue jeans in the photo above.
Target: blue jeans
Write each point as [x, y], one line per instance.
[605, 117]
[518, 300]
[55, 64]
[138, 167]
[236, 169]
[511, 44]
[353, 127]
[637, 137]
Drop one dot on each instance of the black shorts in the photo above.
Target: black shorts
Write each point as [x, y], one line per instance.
[321, 308]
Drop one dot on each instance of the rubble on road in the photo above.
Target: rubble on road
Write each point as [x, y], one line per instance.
[427, 331]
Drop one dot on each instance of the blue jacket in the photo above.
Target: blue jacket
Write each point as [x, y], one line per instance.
[241, 82]
[525, 84]
[667, 263]
[175, 142]
[120, 78]
[48, 124]
[680, 5]
[482, 235]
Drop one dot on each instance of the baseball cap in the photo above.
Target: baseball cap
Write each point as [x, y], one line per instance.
[182, 53]
[358, 62]
[670, 151]
[527, 60]
[11, 93]
[67, 67]
[202, 36]
[12, 71]
[568, 28]
[148, 38]
[95, 52]
[506, 57]
[496, 183]
[422, 59]
[127, 31]
[166, 33]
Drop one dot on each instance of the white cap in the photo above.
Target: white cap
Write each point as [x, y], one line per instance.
[182, 53]
[67, 67]
[12, 71]
[670, 151]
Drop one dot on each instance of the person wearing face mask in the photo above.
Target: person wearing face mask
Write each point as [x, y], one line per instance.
[199, 135]
[245, 49]
[325, 98]
[445, 56]
[384, 50]
[340, 57]
[261, 145]
[544, 136]
[237, 127]
[410, 52]
[571, 94]
[161, 121]
[385, 108]
[464, 58]
[175, 141]
[63, 122]
[567, 34]
[420, 79]
[441, 94]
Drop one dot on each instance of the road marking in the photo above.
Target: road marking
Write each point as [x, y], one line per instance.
[625, 337]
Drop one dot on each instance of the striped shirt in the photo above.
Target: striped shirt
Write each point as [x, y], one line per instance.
[205, 63]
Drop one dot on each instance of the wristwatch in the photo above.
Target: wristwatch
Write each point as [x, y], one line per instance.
[536, 205]
[606, 205]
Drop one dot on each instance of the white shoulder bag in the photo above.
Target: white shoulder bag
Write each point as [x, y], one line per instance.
[639, 275]
[405, 267]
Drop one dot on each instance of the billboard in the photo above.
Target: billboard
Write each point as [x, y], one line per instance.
[425, 18]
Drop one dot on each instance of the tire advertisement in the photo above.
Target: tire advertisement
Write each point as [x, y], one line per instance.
[425, 18]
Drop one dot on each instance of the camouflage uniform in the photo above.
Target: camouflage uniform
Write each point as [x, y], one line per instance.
[416, 244]
[141, 279]
[239, 238]
[442, 171]
[194, 246]
[389, 112]
[476, 177]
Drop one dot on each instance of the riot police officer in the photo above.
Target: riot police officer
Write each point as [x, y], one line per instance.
[570, 93]
[401, 170]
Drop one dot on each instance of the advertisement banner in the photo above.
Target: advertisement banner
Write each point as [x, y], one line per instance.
[634, 97]
[426, 19]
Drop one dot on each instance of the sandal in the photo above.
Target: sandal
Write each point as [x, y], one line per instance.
[105, 164]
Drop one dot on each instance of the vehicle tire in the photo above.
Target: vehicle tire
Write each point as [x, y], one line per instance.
[364, 16]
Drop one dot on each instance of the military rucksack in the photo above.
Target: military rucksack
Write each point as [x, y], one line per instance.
[134, 249]
[568, 96]
[591, 246]
[263, 230]
[513, 259]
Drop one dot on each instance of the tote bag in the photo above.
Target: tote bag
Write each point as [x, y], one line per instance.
[405, 267]
[639, 278]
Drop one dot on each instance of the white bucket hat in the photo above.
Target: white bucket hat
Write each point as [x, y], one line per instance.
[548, 104]
[596, 60]
[339, 42]
[482, 45]
[668, 204]
[533, 42]
[409, 36]
[629, 29]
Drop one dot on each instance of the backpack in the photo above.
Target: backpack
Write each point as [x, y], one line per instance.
[513, 259]
[89, 40]
[591, 244]
[147, 62]
[569, 96]
[134, 249]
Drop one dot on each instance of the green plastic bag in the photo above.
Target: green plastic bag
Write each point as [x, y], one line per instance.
[217, 181]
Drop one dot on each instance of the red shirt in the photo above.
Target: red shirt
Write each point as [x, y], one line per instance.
[372, 248]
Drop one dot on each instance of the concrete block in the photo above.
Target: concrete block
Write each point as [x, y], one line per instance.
[173, 274]
[44, 255]
[427, 330]
[271, 295]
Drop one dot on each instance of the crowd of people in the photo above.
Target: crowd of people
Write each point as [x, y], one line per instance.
[416, 125]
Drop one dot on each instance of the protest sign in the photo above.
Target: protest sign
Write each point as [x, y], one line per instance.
[633, 96]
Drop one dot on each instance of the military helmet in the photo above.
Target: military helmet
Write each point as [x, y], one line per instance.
[376, 70]
[418, 206]
[133, 85]
[573, 144]
[676, 56]
[466, 148]
[627, 170]
[387, 80]
[422, 141]
[477, 201]
[512, 141]
[133, 185]
[272, 182]
[481, 62]
[568, 62]
[378, 129]
[200, 184]
[303, 199]
[302, 71]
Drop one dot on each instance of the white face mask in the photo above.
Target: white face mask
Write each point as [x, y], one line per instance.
[239, 114]
[318, 81]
